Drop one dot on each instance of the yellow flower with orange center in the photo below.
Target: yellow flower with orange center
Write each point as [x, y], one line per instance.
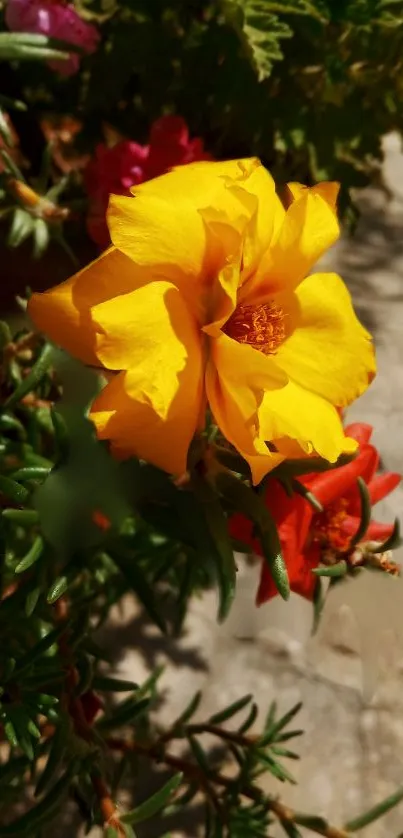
[204, 299]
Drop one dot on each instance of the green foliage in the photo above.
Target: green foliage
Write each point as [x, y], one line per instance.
[259, 30]
[376, 812]
[21, 46]
[243, 499]
[310, 86]
[154, 804]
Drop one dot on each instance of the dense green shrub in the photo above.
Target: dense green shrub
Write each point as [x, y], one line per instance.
[310, 87]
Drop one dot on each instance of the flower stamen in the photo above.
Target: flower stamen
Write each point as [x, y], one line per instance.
[259, 326]
[327, 526]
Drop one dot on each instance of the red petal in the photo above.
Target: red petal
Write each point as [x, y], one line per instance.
[278, 502]
[375, 531]
[359, 431]
[267, 589]
[302, 580]
[334, 484]
[170, 146]
[369, 462]
[169, 130]
[350, 525]
[241, 528]
[305, 583]
[383, 485]
[293, 516]
[379, 532]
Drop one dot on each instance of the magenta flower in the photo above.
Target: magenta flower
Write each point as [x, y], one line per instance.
[113, 170]
[57, 20]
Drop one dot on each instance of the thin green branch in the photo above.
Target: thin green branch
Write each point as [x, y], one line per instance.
[194, 774]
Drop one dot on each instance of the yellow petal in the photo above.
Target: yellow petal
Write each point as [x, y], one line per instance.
[200, 178]
[328, 190]
[123, 415]
[310, 227]
[237, 377]
[153, 410]
[163, 224]
[304, 417]
[265, 221]
[149, 330]
[171, 224]
[242, 245]
[221, 301]
[328, 351]
[293, 450]
[64, 312]
[207, 184]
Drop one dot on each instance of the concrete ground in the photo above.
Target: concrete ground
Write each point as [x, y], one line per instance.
[350, 676]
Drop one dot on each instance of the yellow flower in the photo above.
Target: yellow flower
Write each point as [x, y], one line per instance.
[203, 299]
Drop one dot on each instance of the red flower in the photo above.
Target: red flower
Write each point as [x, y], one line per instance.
[305, 534]
[115, 169]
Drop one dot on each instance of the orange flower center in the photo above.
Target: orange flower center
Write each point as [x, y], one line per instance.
[326, 526]
[260, 326]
